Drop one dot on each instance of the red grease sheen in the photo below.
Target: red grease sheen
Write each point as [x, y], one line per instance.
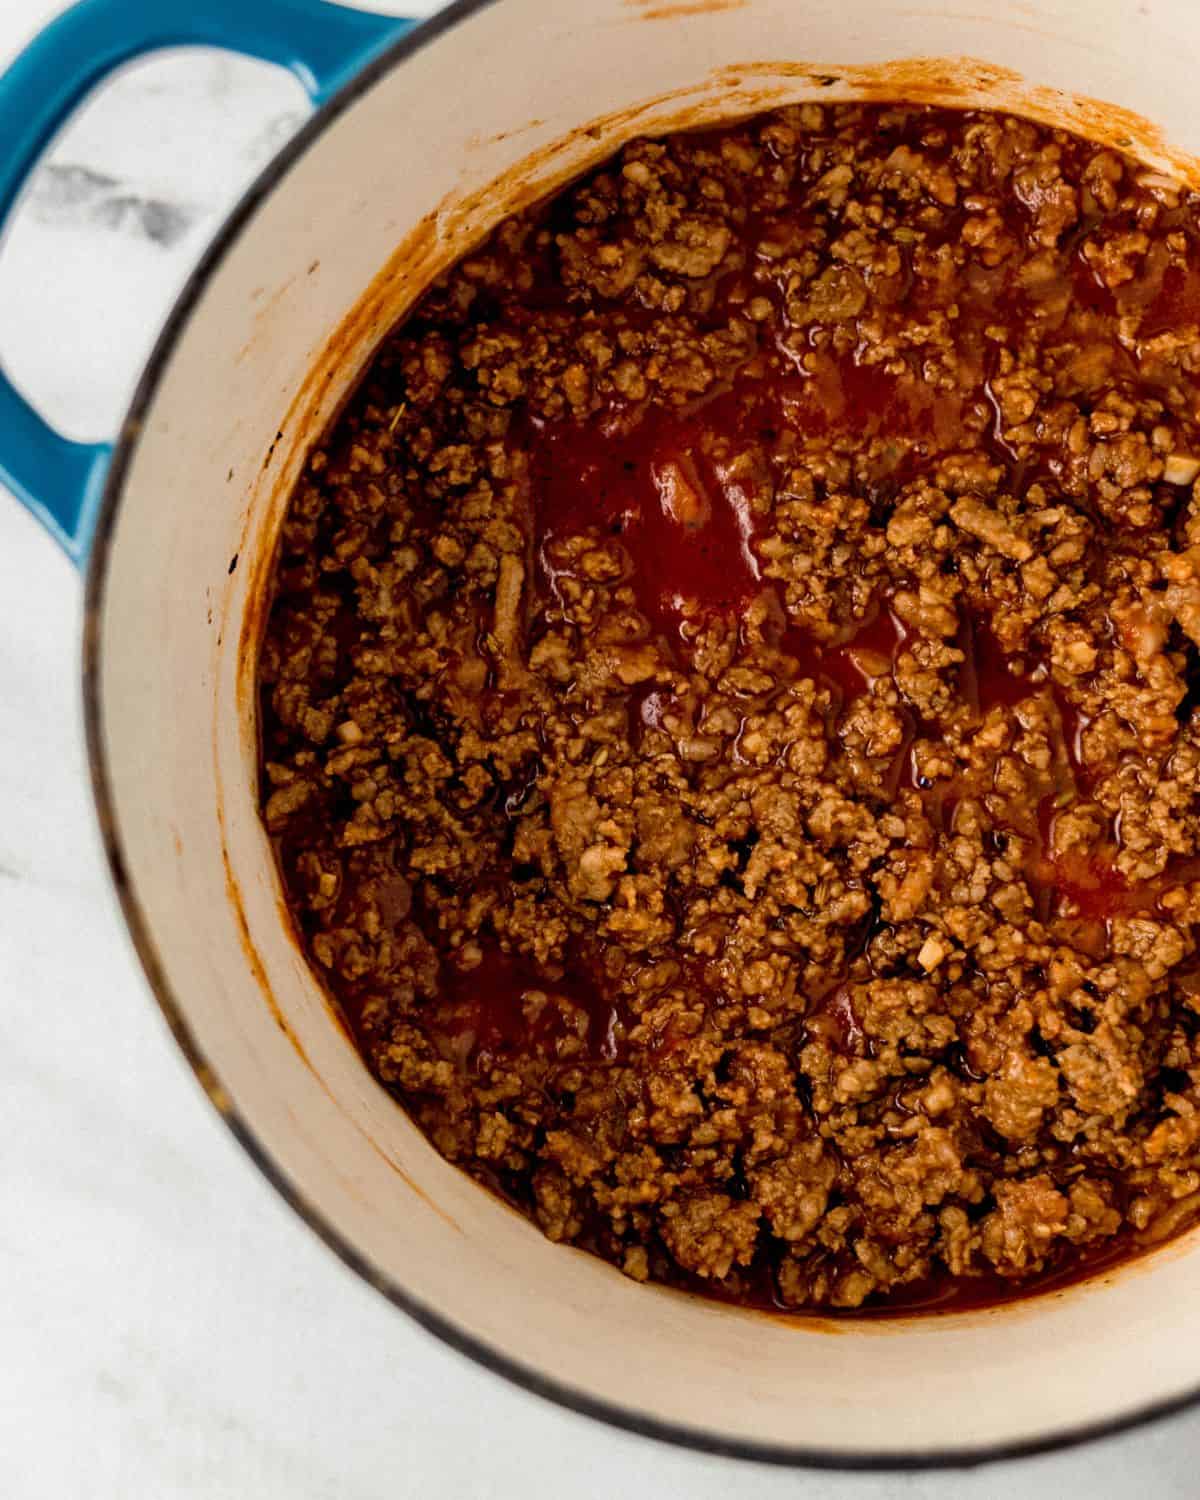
[658, 479]
[989, 678]
[1177, 304]
[1091, 883]
[504, 1005]
[854, 666]
[651, 479]
[688, 535]
[1095, 888]
[843, 395]
[834, 1019]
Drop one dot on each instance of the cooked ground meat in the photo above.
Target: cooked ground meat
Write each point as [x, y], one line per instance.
[729, 709]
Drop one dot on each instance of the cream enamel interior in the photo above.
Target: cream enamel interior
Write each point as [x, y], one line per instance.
[206, 482]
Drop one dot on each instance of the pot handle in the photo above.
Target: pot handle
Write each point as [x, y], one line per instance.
[323, 44]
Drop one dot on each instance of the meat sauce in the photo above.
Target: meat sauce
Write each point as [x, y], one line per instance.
[728, 718]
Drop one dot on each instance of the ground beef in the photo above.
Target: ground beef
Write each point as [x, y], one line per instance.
[729, 709]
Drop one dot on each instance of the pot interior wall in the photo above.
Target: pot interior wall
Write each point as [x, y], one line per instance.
[482, 117]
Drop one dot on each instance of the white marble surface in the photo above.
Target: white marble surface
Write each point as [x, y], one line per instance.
[167, 1327]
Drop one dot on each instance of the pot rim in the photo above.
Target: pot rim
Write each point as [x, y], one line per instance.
[174, 1011]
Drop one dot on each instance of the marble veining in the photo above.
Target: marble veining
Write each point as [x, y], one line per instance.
[167, 1327]
[66, 196]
